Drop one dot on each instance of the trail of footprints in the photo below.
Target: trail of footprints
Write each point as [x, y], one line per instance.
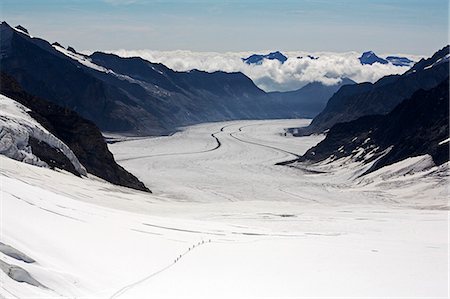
[191, 248]
[132, 285]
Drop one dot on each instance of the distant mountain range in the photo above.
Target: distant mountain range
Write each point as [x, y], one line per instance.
[370, 58]
[400, 61]
[74, 96]
[259, 58]
[135, 96]
[396, 118]
[367, 58]
[147, 99]
[354, 101]
[309, 99]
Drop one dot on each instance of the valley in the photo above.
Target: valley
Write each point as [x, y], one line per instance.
[224, 149]
[224, 221]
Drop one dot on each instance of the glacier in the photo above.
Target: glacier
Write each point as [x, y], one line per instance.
[225, 222]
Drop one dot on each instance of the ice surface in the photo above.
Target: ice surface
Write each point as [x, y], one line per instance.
[18, 274]
[16, 126]
[244, 228]
[14, 253]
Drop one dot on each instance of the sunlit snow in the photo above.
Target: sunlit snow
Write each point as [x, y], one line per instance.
[225, 222]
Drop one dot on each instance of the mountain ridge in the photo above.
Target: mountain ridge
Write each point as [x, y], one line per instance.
[258, 59]
[313, 97]
[418, 125]
[131, 95]
[354, 101]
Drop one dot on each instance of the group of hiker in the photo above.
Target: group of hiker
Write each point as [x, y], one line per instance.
[189, 249]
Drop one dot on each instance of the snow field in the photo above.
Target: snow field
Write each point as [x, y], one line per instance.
[275, 231]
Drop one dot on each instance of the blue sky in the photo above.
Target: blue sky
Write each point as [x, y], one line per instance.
[385, 26]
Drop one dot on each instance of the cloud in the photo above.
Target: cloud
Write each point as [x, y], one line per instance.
[272, 75]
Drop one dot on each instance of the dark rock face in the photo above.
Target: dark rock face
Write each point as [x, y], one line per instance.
[80, 135]
[23, 29]
[308, 56]
[258, 58]
[184, 98]
[43, 72]
[52, 156]
[439, 57]
[310, 99]
[71, 49]
[354, 101]
[417, 126]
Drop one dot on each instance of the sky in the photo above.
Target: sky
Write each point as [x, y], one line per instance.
[417, 27]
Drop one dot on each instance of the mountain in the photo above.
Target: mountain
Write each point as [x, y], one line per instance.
[370, 58]
[310, 99]
[308, 56]
[135, 96]
[400, 61]
[147, 99]
[259, 58]
[354, 101]
[70, 139]
[22, 29]
[132, 95]
[184, 98]
[417, 126]
[440, 57]
[44, 72]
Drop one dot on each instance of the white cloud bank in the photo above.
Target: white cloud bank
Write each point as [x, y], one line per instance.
[272, 75]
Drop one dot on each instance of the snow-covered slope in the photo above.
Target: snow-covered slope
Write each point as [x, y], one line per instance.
[84, 60]
[224, 222]
[416, 127]
[16, 128]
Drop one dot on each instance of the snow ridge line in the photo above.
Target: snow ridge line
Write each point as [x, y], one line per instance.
[132, 285]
